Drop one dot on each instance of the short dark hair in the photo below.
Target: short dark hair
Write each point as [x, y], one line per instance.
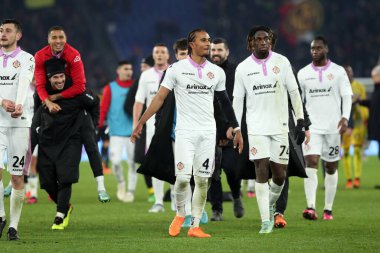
[254, 30]
[180, 44]
[55, 28]
[160, 45]
[321, 38]
[16, 23]
[191, 37]
[220, 40]
[124, 62]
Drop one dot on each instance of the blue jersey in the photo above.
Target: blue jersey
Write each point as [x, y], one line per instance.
[120, 124]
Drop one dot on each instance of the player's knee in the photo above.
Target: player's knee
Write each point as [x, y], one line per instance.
[201, 182]
[182, 180]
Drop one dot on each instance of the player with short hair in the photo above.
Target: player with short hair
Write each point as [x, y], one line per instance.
[355, 136]
[195, 82]
[219, 53]
[120, 129]
[266, 78]
[327, 93]
[16, 70]
[147, 89]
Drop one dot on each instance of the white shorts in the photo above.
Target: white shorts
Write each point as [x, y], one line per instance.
[325, 145]
[15, 140]
[117, 144]
[274, 147]
[194, 152]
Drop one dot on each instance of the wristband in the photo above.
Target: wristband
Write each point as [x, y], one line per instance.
[236, 129]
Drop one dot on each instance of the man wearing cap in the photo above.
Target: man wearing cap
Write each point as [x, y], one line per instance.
[59, 138]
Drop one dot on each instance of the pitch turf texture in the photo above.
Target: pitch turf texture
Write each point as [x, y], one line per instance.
[121, 227]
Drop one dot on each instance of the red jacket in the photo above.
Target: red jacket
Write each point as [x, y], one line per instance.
[105, 103]
[74, 69]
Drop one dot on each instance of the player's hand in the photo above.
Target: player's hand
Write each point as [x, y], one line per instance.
[299, 132]
[230, 133]
[53, 107]
[8, 105]
[18, 111]
[136, 134]
[307, 137]
[238, 141]
[55, 97]
[343, 125]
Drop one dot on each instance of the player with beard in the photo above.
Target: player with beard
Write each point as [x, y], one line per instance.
[327, 93]
[266, 78]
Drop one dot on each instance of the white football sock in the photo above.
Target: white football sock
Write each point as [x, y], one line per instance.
[100, 183]
[158, 187]
[33, 184]
[310, 185]
[199, 199]
[60, 215]
[17, 200]
[262, 196]
[189, 195]
[275, 192]
[180, 190]
[132, 176]
[251, 185]
[118, 171]
[331, 184]
[2, 210]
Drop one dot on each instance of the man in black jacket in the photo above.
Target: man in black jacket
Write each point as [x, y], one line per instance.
[59, 137]
[227, 160]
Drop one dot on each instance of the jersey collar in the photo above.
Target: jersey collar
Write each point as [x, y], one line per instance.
[12, 55]
[199, 67]
[321, 69]
[262, 62]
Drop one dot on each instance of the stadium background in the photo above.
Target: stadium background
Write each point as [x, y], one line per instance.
[106, 31]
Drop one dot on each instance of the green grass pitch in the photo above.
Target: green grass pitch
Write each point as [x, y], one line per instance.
[121, 227]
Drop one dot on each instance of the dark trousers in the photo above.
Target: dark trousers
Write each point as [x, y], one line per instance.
[90, 143]
[227, 162]
[282, 201]
[60, 194]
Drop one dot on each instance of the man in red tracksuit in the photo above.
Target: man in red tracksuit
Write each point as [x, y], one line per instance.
[59, 48]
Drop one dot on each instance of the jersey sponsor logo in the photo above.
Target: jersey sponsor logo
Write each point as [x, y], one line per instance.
[16, 64]
[198, 88]
[180, 166]
[267, 88]
[8, 78]
[152, 93]
[276, 70]
[210, 75]
[76, 59]
[253, 73]
[325, 92]
[330, 77]
[188, 74]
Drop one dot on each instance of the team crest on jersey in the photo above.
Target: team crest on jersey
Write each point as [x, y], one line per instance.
[210, 75]
[330, 77]
[276, 70]
[16, 64]
[180, 166]
[77, 58]
[253, 151]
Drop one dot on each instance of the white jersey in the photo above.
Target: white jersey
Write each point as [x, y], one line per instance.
[147, 89]
[15, 67]
[322, 91]
[194, 87]
[265, 83]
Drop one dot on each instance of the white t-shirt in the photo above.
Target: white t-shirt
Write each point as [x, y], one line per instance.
[194, 87]
[265, 83]
[147, 89]
[16, 66]
[322, 91]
